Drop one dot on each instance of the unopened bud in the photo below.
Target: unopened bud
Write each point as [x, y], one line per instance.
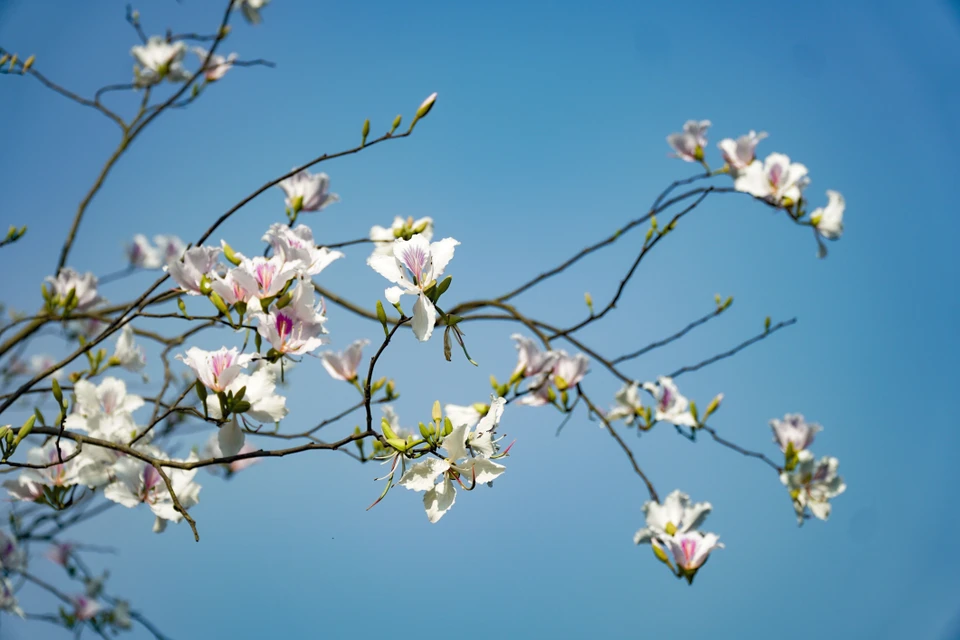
[766, 324]
[219, 304]
[25, 429]
[285, 299]
[426, 432]
[426, 106]
[388, 431]
[377, 385]
[13, 62]
[437, 412]
[481, 408]
[396, 123]
[447, 426]
[382, 317]
[365, 132]
[27, 64]
[57, 392]
[713, 406]
[229, 253]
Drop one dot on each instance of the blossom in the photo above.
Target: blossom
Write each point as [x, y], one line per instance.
[128, 355]
[265, 277]
[691, 549]
[740, 153]
[812, 484]
[671, 406]
[60, 552]
[251, 9]
[231, 290]
[297, 245]
[159, 59]
[8, 600]
[343, 365]
[212, 450]
[230, 437]
[54, 474]
[298, 327]
[120, 615]
[469, 416]
[828, 221]
[144, 255]
[676, 514]
[308, 192]
[84, 288]
[265, 405]
[216, 369]
[193, 266]
[468, 458]
[777, 180]
[690, 143]
[426, 263]
[628, 405]
[105, 409]
[84, 607]
[794, 432]
[568, 370]
[383, 237]
[140, 483]
[12, 556]
[170, 247]
[217, 66]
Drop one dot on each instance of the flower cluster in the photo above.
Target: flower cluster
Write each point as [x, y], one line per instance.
[811, 483]
[164, 250]
[674, 526]
[546, 372]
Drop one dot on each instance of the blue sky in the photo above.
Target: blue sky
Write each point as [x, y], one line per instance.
[548, 134]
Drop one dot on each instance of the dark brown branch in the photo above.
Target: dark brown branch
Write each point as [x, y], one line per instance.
[740, 347]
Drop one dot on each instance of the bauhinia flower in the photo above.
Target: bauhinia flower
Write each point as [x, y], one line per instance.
[159, 59]
[230, 437]
[690, 143]
[676, 514]
[265, 277]
[298, 327]
[298, 246]
[469, 415]
[740, 153]
[467, 462]
[690, 550]
[233, 291]
[143, 255]
[29, 485]
[308, 192]
[812, 485]
[425, 263]
[104, 410]
[828, 221]
[794, 432]
[216, 370]
[8, 599]
[569, 370]
[138, 483]
[12, 556]
[127, 354]
[777, 180]
[671, 406]
[342, 365]
[217, 66]
[68, 285]
[60, 553]
[627, 405]
[196, 264]
[212, 450]
[170, 247]
[531, 361]
[383, 237]
[265, 405]
[251, 9]
[85, 607]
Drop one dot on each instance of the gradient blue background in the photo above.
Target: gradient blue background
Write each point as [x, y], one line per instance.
[548, 133]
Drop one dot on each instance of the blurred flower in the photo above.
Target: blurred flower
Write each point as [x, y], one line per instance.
[84, 288]
[342, 365]
[196, 264]
[740, 153]
[690, 143]
[813, 484]
[793, 430]
[217, 66]
[671, 406]
[159, 59]
[308, 192]
[676, 514]
[777, 180]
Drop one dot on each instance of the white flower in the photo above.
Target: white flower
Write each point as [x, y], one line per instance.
[777, 179]
[740, 153]
[144, 255]
[308, 192]
[231, 290]
[128, 355]
[120, 616]
[217, 67]
[793, 430]
[193, 266]
[8, 600]
[84, 607]
[426, 263]
[60, 552]
[690, 143]
[671, 406]
[12, 556]
[298, 327]
[628, 405]
[230, 438]
[342, 365]
[29, 485]
[467, 462]
[568, 370]
[812, 484]
[676, 514]
[212, 450]
[84, 288]
[170, 247]
[265, 277]
[216, 369]
[383, 237]
[138, 482]
[105, 409]
[297, 245]
[468, 416]
[828, 221]
[251, 9]
[691, 549]
[159, 59]
[530, 360]
[265, 405]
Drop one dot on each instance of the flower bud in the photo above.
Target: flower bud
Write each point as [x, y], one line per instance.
[713, 406]
[27, 64]
[382, 317]
[229, 254]
[25, 429]
[481, 408]
[426, 432]
[57, 392]
[437, 412]
[388, 432]
[13, 62]
[365, 132]
[426, 106]
[766, 324]
[3, 59]
[443, 286]
[396, 123]
[285, 299]
[219, 304]
[378, 384]
[447, 426]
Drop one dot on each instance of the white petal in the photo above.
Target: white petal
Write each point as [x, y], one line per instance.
[424, 318]
[231, 438]
[437, 501]
[393, 294]
[455, 443]
[442, 252]
[387, 266]
[421, 476]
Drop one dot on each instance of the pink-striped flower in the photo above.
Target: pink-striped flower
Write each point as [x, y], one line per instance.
[343, 365]
[740, 153]
[298, 245]
[690, 143]
[193, 266]
[690, 549]
[298, 327]
[308, 192]
[216, 369]
[265, 277]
